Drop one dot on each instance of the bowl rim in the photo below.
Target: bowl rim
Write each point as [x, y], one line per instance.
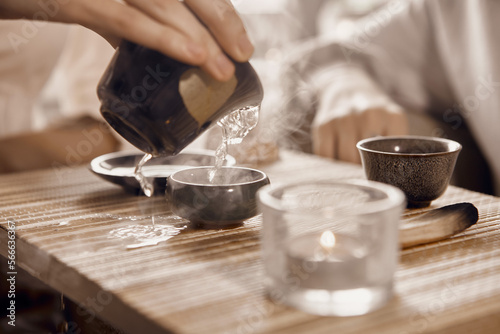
[456, 146]
[263, 177]
[96, 164]
[395, 196]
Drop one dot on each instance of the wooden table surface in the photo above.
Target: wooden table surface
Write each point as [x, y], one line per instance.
[71, 235]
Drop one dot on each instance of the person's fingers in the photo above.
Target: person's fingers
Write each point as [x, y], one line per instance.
[172, 13]
[338, 138]
[127, 22]
[397, 124]
[226, 26]
[168, 26]
[382, 122]
[347, 136]
[372, 122]
[15, 9]
[175, 14]
[113, 40]
[324, 140]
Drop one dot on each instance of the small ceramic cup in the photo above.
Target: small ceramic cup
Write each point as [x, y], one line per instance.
[420, 166]
[224, 201]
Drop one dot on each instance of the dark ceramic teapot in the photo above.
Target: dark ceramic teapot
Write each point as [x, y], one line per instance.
[161, 105]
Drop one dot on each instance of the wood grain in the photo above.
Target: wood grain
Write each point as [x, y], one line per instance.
[211, 281]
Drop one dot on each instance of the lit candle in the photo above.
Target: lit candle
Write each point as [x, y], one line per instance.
[327, 261]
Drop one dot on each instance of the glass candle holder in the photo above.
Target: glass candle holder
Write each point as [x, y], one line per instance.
[331, 247]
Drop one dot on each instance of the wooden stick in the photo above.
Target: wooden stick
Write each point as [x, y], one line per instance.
[437, 224]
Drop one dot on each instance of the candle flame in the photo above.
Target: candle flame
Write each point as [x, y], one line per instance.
[327, 240]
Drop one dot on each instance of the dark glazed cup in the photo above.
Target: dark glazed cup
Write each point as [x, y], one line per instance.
[225, 203]
[161, 105]
[420, 166]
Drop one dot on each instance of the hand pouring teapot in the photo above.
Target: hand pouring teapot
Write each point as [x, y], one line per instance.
[161, 105]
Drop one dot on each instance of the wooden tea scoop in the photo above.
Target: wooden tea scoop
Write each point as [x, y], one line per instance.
[437, 224]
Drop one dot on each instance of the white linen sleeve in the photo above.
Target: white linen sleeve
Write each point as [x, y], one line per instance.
[80, 68]
[390, 61]
[347, 89]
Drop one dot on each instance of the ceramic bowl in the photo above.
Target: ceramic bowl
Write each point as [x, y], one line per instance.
[420, 166]
[225, 201]
[119, 167]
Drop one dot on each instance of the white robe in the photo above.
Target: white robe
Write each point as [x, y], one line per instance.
[42, 61]
[422, 55]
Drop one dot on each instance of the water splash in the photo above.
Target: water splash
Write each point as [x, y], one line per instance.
[137, 235]
[239, 123]
[235, 127]
[146, 186]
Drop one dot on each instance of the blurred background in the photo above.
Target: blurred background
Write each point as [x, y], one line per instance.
[277, 28]
[274, 27]
[48, 88]
[54, 75]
